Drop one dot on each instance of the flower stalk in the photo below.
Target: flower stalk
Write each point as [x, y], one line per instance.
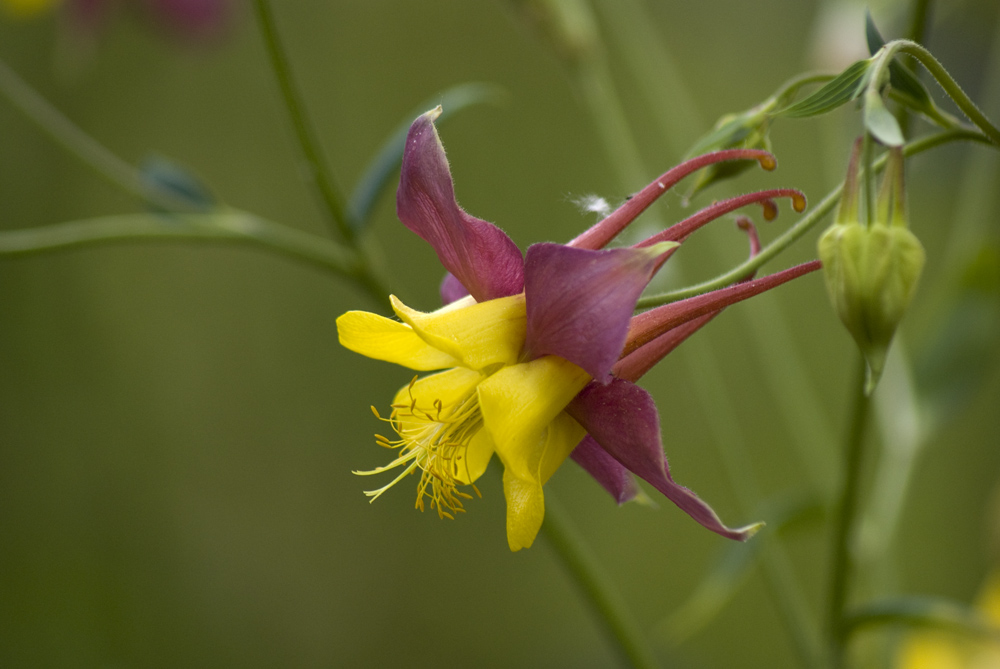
[843, 528]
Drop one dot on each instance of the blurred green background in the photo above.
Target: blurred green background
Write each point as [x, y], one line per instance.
[178, 424]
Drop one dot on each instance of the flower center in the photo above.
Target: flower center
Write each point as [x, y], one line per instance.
[435, 439]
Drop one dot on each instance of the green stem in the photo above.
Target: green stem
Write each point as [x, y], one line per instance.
[659, 75]
[779, 578]
[73, 139]
[319, 175]
[916, 31]
[804, 224]
[585, 568]
[923, 612]
[229, 226]
[946, 82]
[919, 20]
[840, 566]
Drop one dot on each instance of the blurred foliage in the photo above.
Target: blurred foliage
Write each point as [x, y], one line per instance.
[178, 424]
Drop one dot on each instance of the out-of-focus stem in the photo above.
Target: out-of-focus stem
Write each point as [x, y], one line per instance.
[586, 570]
[843, 529]
[319, 174]
[73, 139]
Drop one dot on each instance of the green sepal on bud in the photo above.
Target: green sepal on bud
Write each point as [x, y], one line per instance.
[872, 270]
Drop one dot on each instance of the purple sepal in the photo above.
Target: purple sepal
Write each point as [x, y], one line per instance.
[623, 419]
[480, 255]
[634, 365]
[451, 289]
[607, 471]
[580, 302]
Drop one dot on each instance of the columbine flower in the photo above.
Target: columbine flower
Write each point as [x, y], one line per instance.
[540, 353]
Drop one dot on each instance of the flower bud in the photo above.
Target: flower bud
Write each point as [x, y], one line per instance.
[872, 271]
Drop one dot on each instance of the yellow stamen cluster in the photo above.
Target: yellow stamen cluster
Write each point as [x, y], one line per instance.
[435, 440]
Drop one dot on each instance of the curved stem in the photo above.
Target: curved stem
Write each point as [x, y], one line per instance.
[804, 224]
[230, 226]
[583, 565]
[73, 139]
[949, 85]
[318, 172]
[923, 612]
[840, 567]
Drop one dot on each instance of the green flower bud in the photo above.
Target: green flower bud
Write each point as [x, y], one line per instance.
[872, 271]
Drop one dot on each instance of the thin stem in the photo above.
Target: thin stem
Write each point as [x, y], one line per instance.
[843, 530]
[946, 82]
[585, 568]
[919, 21]
[220, 225]
[655, 69]
[226, 227]
[73, 139]
[804, 224]
[779, 577]
[318, 174]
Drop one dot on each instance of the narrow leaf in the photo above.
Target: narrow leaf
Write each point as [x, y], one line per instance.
[165, 175]
[872, 34]
[385, 164]
[844, 88]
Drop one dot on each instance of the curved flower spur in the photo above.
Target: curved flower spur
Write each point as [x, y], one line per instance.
[540, 353]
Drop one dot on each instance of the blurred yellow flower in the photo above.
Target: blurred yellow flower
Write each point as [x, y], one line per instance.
[25, 8]
[941, 650]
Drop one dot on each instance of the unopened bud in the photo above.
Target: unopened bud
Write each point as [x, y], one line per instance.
[872, 271]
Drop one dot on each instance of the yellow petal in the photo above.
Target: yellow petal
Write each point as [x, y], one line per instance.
[563, 435]
[518, 404]
[525, 498]
[385, 339]
[525, 510]
[477, 334]
[449, 387]
[477, 457]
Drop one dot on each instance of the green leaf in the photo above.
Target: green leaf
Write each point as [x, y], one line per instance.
[729, 131]
[905, 83]
[880, 122]
[872, 35]
[844, 88]
[386, 162]
[164, 175]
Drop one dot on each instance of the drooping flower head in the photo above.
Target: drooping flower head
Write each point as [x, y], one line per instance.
[539, 354]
